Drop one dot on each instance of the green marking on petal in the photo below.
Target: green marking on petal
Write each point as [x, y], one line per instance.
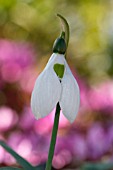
[59, 70]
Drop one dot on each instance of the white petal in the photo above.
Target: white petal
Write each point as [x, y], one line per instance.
[70, 98]
[47, 90]
[55, 58]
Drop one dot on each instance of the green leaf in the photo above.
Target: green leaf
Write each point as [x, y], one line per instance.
[59, 70]
[10, 168]
[41, 167]
[26, 165]
[97, 166]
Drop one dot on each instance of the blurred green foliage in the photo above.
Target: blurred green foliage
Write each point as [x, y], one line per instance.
[91, 41]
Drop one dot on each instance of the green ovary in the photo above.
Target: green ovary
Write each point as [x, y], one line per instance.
[59, 70]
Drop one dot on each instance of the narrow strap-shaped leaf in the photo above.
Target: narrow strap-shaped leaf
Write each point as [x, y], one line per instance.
[97, 166]
[10, 168]
[26, 165]
[41, 167]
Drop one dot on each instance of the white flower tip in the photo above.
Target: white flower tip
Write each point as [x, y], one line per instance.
[33, 107]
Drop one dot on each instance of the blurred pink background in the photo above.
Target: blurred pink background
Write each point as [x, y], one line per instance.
[25, 48]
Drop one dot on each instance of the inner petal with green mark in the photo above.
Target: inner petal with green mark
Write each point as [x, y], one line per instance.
[59, 70]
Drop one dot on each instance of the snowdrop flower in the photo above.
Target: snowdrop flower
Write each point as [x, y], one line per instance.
[56, 84]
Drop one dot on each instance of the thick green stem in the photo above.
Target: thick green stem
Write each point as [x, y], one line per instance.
[53, 138]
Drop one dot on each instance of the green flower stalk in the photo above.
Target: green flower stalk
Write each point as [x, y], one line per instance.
[56, 86]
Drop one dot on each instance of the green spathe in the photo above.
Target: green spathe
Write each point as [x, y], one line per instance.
[59, 70]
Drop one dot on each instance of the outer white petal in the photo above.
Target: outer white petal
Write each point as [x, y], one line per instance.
[70, 98]
[55, 58]
[47, 89]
